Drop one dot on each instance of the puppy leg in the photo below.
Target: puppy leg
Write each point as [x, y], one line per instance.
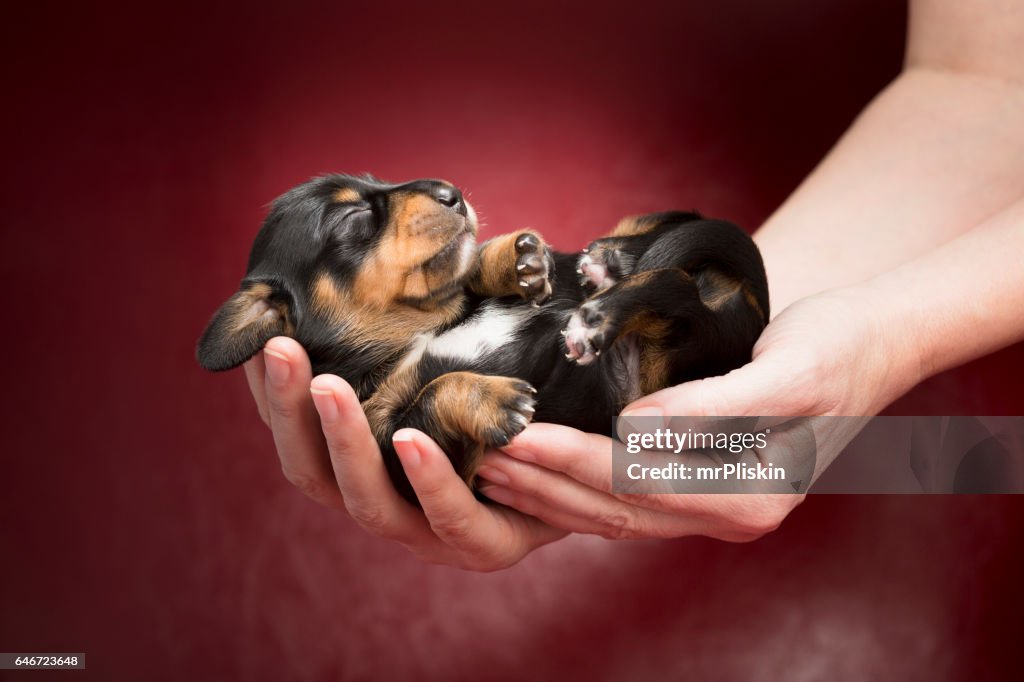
[648, 304]
[517, 264]
[467, 406]
[607, 260]
[456, 406]
[467, 412]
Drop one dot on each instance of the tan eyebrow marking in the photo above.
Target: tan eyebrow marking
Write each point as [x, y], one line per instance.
[633, 225]
[347, 195]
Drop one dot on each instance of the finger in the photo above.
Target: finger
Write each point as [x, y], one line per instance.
[373, 501]
[564, 502]
[455, 516]
[296, 426]
[536, 508]
[585, 457]
[256, 375]
[369, 495]
[519, 534]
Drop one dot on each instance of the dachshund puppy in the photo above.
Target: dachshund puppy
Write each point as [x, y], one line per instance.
[384, 285]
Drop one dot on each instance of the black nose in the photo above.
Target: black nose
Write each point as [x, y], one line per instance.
[449, 196]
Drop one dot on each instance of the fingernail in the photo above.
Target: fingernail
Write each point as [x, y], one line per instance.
[644, 412]
[407, 451]
[325, 403]
[644, 418]
[519, 453]
[493, 475]
[277, 366]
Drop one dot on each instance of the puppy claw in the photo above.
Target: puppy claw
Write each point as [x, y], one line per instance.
[507, 409]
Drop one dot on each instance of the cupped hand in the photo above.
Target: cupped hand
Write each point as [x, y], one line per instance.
[828, 354]
[328, 452]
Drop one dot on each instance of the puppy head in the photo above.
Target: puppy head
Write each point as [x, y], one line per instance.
[338, 247]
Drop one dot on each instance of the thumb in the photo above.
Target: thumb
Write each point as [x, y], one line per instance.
[758, 388]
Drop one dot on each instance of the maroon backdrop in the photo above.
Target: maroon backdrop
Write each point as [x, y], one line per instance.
[144, 517]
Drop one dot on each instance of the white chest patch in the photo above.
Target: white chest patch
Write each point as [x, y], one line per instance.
[488, 330]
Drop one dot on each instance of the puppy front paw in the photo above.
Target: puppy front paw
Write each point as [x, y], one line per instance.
[535, 268]
[588, 333]
[602, 264]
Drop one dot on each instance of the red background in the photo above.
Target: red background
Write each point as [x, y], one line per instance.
[144, 517]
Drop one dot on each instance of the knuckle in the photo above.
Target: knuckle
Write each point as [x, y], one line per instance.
[299, 480]
[492, 557]
[616, 524]
[454, 530]
[709, 402]
[369, 516]
[264, 416]
[427, 491]
[580, 470]
[310, 486]
[281, 409]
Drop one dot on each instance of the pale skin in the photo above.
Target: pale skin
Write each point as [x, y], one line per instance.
[898, 258]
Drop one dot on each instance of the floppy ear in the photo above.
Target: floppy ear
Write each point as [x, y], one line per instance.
[257, 313]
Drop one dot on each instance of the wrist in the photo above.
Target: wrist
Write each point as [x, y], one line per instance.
[900, 350]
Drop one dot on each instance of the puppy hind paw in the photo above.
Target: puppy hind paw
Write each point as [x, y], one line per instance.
[506, 409]
[587, 334]
[602, 264]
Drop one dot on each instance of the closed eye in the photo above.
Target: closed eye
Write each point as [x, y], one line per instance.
[354, 219]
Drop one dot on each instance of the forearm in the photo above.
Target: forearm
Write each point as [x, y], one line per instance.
[956, 303]
[935, 154]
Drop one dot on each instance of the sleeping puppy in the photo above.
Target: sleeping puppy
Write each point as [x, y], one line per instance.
[384, 285]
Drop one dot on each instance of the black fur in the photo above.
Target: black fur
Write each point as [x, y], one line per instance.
[681, 259]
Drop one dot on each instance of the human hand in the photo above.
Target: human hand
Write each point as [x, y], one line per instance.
[328, 452]
[829, 354]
